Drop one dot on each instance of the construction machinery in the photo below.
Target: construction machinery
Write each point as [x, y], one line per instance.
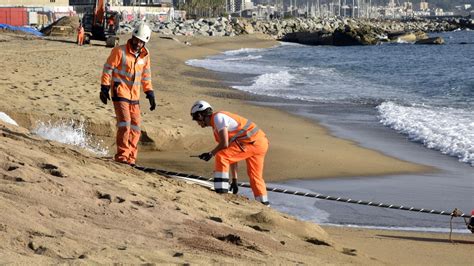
[102, 24]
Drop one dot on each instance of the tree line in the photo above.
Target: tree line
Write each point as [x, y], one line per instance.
[205, 8]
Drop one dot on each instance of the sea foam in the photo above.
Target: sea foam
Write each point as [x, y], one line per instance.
[272, 84]
[238, 65]
[448, 130]
[244, 58]
[243, 51]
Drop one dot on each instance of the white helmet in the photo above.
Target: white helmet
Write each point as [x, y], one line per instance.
[200, 106]
[142, 32]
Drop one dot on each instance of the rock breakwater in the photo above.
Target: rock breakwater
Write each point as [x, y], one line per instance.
[316, 31]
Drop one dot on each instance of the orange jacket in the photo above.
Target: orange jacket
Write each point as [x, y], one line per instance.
[80, 30]
[124, 73]
[246, 131]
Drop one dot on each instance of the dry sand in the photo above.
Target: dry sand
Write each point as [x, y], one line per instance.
[60, 204]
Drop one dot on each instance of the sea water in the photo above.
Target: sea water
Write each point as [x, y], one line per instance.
[413, 102]
[423, 91]
[70, 132]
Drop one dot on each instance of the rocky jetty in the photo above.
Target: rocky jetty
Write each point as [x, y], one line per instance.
[314, 31]
[434, 40]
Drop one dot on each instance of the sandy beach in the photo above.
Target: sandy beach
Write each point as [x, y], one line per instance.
[61, 203]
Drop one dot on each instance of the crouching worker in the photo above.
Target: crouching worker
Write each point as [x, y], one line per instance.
[238, 139]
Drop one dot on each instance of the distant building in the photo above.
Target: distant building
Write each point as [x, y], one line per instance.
[82, 5]
[407, 7]
[178, 3]
[29, 3]
[149, 13]
[34, 12]
[146, 2]
[234, 5]
[122, 2]
[424, 6]
[248, 4]
[439, 12]
[263, 11]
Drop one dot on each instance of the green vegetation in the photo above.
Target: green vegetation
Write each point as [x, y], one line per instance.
[204, 8]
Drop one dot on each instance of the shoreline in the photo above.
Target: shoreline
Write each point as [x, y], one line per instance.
[223, 91]
[287, 143]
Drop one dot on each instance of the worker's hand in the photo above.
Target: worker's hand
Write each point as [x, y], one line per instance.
[233, 186]
[151, 98]
[206, 156]
[104, 93]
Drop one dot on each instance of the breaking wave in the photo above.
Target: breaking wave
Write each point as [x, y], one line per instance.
[449, 130]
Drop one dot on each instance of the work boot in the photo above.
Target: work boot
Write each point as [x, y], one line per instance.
[125, 162]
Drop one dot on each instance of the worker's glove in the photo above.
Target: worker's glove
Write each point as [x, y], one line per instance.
[104, 93]
[206, 156]
[233, 186]
[150, 95]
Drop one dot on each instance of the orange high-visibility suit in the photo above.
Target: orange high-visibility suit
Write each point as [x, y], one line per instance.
[125, 73]
[248, 143]
[110, 24]
[80, 35]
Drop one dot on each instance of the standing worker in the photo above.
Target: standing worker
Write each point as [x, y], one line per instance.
[128, 67]
[111, 24]
[238, 139]
[80, 34]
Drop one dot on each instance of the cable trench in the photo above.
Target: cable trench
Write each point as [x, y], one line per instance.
[454, 213]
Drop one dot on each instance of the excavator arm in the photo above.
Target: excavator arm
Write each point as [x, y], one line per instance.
[99, 12]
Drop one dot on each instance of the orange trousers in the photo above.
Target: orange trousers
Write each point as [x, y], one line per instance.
[80, 39]
[128, 131]
[254, 156]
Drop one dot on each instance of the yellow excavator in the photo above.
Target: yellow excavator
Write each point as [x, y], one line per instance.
[102, 25]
